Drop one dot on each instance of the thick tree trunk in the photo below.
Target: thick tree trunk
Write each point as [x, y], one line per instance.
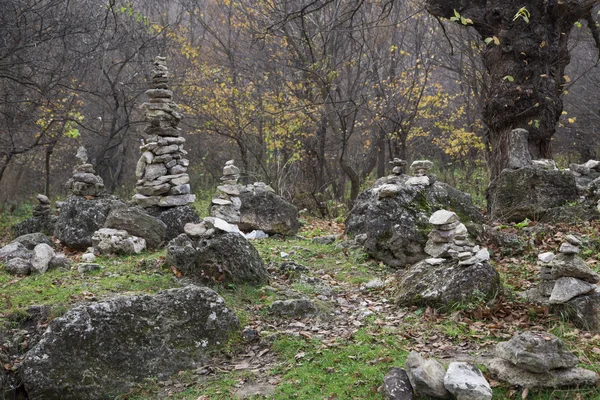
[525, 57]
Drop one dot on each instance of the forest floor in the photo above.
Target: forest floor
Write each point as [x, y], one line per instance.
[360, 334]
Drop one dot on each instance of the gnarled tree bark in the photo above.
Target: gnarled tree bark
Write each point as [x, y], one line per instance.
[526, 58]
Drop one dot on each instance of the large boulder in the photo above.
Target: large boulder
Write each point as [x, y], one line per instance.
[218, 257]
[438, 282]
[396, 226]
[265, 211]
[30, 240]
[529, 192]
[175, 218]
[137, 222]
[582, 311]
[100, 350]
[80, 217]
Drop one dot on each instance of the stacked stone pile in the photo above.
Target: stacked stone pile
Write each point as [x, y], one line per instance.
[226, 204]
[420, 169]
[84, 181]
[568, 284]
[162, 169]
[450, 239]
[399, 165]
[42, 209]
[538, 360]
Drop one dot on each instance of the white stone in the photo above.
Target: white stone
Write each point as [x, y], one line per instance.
[592, 164]
[194, 230]
[221, 225]
[221, 202]
[466, 382]
[88, 257]
[257, 234]
[546, 257]
[42, 254]
[434, 261]
[483, 255]
[443, 217]
[231, 190]
[566, 288]
[568, 248]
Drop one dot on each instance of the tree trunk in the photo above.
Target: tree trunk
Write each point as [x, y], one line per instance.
[525, 56]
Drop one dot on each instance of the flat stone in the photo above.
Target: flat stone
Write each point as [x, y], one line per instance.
[298, 308]
[171, 164]
[169, 140]
[448, 227]
[464, 255]
[569, 265]
[466, 382]
[546, 257]
[545, 164]
[439, 236]
[436, 249]
[388, 190]
[568, 248]
[177, 200]
[435, 261]
[443, 217]
[426, 376]
[231, 190]
[231, 170]
[537, 352]
[146, 201]
[421, 164]
[418, 181]
[166, 149]
[554, 378]
[221, 202]
[396, 385]
[153, 190]
[181, 180]
[165, 158]
[574, 240]
[221, 225]
[18, 266]
[567, 287]
[159, 93]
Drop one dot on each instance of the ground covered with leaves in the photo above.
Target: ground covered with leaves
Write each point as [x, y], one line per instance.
[344, 352]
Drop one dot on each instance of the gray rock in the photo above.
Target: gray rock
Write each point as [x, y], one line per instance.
[115, 241]
[529, 192]
[396, 228]
[44, 224]
[582, 311]
[88, 257]
[31, 240]
[574, 240]
[519, 155]
[443, 217]
[220, 225]
[231, 170]
[154, 171]
[396, 385]
[418, 181]
[42, 254]
[388, 190]
[156, 190]
[329, 239]
[446, 283]
[137, 222]
[569, 265]
[145, 201]
[466, 382]
[373, 284]
[566, 288]
[554, 378]
[15, 250]
[231, 190]
[426, 376]
[180, 189]
[536, 352]
[18, 266]
[126, 340]
[265, 211]
[175, 219]
[223, 257]
[60, 261]
[545, 164]
[80, 218]
[421, 164]
[295, 308]
[568, 248]
[221, 202]
[164, 150]
[194, 230]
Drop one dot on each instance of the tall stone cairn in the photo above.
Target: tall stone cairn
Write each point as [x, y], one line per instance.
[162, 169]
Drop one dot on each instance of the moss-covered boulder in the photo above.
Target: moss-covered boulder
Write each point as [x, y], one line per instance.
[100, 350]
[392, 217]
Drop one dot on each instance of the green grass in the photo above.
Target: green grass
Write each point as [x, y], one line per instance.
[60, 289]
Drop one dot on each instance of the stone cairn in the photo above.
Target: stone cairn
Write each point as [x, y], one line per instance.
[449, 240]
[84, 181]
[565, 276]
[420, 169]
[226, 204]
[42, 209]
[399, 165]
[537, 360]
[162, 169]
